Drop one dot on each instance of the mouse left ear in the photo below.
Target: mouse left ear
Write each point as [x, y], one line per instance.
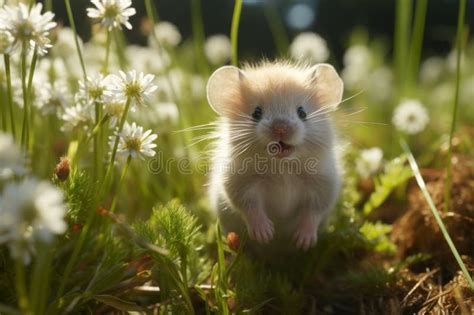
[327, 84]
[223, 88]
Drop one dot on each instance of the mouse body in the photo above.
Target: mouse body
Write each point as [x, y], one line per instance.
[274, 171]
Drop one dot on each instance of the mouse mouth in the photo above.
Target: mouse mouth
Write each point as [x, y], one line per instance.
[284, 149]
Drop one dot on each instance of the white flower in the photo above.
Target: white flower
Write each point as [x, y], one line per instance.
[410, 117]
[12, 161]
[6, 42]
[217, 49]
[369, 162]
[94, 88]
[112, 13]
[309, 46]
[30, 210]
[134, 142]
[114, 107]
[166, 33]
[28, 27]
[138, 87]
[77, 116]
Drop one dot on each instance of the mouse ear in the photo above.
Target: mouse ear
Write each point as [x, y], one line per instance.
[223, 85]
[327, 84]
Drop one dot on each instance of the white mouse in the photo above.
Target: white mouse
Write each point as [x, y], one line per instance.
[274, 173]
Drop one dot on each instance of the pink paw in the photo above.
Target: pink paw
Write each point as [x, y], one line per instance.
[260, 227]
[306, 235]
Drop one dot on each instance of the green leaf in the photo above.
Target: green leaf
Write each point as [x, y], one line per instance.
[377, 233]
[396, 173]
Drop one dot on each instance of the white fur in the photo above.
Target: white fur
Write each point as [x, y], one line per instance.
[269, 204]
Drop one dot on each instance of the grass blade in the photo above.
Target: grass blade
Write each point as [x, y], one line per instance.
[459, 39]
[429, 200]
[234, 31]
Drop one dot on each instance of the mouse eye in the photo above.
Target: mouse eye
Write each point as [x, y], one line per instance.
[301, 113]
[257, 113]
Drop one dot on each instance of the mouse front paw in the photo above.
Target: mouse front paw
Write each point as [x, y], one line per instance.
[306, 234]
[260, 227]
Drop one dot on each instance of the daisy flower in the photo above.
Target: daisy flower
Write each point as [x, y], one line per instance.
[217, 49]
[12, 161]
[30, 210]
[137, 87]
[134, 142]
[28, 27]
[369, 162]
[309, 46]
[94, 88]
[410, 117]
[112, 13]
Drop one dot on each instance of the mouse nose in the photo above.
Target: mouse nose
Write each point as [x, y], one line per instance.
[281, 129]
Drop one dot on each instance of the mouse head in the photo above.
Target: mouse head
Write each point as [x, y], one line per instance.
[277, 104]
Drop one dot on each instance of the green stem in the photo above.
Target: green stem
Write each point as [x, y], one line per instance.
[221, 271]
[98, 112]
[429, 200]
[402, 28]
[30, 97]
[108, 174]
[40, 279]
[21, 291]
[85, 141]
[120, 128]
[6, 59]
[107, 53]
[78, 47]
[417, 41]
[122, 177]
[234, 31]
[24, 129]
[3, 112]
[459, 40]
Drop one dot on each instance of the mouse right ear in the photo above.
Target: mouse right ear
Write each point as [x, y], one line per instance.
[222, 87]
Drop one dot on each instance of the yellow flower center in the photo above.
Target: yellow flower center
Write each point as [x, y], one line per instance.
[111, 11]
[133, 144]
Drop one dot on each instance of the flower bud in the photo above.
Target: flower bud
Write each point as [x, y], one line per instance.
[63, 169]
[233, 240]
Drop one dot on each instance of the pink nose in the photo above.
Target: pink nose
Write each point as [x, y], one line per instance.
[281, 129]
